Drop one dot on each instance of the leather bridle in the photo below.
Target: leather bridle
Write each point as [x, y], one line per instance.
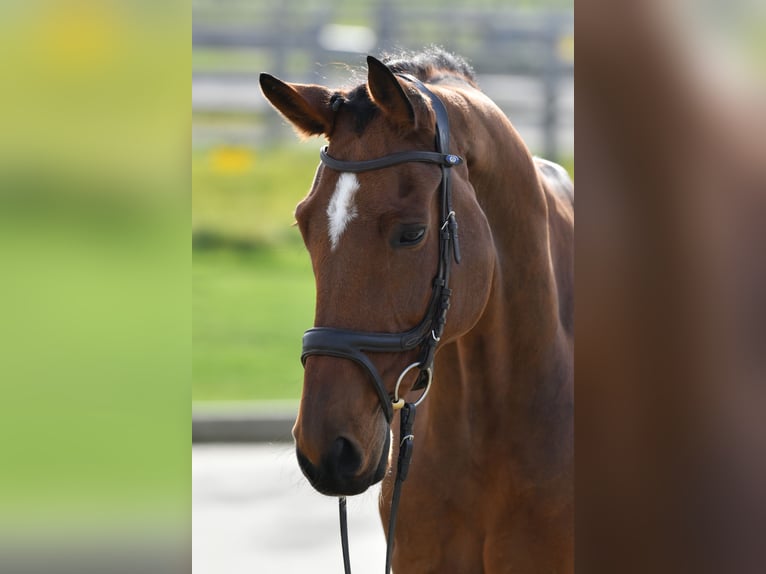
[354, 345]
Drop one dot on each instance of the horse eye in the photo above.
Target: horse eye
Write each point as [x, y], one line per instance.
[412, 236]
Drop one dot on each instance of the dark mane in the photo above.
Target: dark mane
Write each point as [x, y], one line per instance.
[358, 102]
[433, 65]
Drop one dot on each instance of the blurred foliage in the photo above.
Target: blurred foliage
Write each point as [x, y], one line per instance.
[357, 11]
[253, 289]
[95, 297]
[246, 196]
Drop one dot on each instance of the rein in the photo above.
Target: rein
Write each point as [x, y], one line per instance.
[354, 345]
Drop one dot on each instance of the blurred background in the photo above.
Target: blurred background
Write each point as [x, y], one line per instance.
[253, 290]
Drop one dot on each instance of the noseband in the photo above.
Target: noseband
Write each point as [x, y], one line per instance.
[354, 345]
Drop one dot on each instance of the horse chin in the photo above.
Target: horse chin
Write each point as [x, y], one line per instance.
[350, 486]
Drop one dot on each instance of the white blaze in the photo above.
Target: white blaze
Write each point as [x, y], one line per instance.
[341, 208]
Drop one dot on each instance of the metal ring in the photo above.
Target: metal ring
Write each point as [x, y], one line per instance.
[397, 400]
[401, 378]
[428, 386]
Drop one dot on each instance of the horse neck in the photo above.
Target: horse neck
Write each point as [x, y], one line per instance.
[516, 204]
[517, 343]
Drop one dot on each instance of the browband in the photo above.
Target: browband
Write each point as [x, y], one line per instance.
[447, 160]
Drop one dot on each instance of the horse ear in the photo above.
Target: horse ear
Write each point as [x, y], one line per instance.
[387, 92]
[306, 106]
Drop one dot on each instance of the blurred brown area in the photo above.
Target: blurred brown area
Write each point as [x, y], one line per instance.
[671, 289]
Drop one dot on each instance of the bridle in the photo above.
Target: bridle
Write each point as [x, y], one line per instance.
[354, 345]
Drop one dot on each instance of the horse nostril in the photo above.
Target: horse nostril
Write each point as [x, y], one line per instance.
[347, 457]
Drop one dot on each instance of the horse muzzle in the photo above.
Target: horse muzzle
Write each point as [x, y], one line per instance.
[340, 472]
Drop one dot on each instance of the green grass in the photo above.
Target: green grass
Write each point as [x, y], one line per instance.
[250, 310]
[252, 285]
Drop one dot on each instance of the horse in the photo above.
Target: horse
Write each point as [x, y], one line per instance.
[490, 481]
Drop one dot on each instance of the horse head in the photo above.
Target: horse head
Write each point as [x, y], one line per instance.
[374, 241]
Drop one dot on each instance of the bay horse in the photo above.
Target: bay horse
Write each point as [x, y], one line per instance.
[490, 485]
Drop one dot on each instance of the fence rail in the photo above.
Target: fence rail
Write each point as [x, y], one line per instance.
[529, 52]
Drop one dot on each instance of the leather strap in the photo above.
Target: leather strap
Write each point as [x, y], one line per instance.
[402, 468]
[447, 160]
[344, 535]
[352, 345]
[406, 438]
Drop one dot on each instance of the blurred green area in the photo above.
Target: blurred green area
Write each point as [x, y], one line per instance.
[95, 351]
[250, 309]
[252, 285]
[246, 197]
